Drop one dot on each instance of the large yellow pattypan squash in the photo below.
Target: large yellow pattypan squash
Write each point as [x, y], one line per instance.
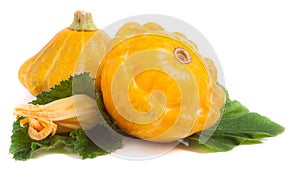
[156, 85]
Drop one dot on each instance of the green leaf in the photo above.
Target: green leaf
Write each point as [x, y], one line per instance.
[251, 124]
[237, 126]
[22, 146]
[84, 146]
[87, 148]
[20, 142]
[78, 84]
[83, 84]
[107, 120]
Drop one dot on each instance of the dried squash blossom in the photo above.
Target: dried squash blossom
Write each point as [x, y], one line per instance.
[58, 116]
[156, 86]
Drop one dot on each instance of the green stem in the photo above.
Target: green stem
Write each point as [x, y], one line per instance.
[83, 21]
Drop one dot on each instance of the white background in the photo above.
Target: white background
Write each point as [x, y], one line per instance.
[258, 45]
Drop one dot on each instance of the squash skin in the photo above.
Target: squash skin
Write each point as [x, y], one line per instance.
[67, 53]
[130, 41]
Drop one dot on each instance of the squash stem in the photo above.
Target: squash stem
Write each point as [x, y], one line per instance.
[182, 55]
[83, 21]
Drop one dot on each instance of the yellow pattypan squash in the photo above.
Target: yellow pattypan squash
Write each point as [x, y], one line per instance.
[156, 85]
[78, 48]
